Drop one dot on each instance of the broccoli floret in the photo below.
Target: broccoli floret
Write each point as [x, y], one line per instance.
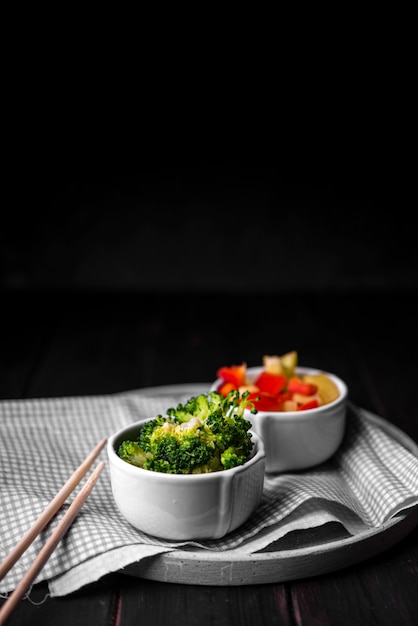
[230, 458]
[131, 452]
[208, 433]
[198, 406]
[145, 438]
[179, 454]
[230, 431]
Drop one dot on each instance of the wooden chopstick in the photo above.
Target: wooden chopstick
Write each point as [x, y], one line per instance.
[50, 510]
[50, 545]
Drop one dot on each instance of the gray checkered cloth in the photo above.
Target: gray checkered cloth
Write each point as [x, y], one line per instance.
[371, 478]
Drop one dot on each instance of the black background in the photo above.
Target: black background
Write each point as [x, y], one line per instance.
[210, 213]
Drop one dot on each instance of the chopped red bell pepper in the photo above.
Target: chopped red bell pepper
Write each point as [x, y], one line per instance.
[234, 374]
[224, 388]
[312, 404]
[296, 385]
[271, 383]
[264, 401]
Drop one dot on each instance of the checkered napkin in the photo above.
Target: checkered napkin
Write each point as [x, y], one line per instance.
[371, 478]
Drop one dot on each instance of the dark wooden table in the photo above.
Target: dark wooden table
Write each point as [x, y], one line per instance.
[64, 344]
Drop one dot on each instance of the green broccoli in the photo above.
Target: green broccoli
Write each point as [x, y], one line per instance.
[131, 452]
[231, 458]
[198, 406]
[208, 433]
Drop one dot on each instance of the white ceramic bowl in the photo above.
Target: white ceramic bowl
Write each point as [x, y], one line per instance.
[185, 506]
[297, 440]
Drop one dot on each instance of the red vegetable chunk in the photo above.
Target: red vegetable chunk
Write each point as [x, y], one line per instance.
[296, 385]
[234, 374]
[264, 401]
[271, 383]
[312, 404]
[224, 388]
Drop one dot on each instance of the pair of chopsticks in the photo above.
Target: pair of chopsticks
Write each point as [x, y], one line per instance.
[58, 533]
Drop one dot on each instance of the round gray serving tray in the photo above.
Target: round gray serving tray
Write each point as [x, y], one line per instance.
[299, 554]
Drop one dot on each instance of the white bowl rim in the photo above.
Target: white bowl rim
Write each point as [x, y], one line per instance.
[258, 453]
[296, 415]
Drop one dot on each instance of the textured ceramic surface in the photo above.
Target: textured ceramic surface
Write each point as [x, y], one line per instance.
[186, 506]
[298, 440]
